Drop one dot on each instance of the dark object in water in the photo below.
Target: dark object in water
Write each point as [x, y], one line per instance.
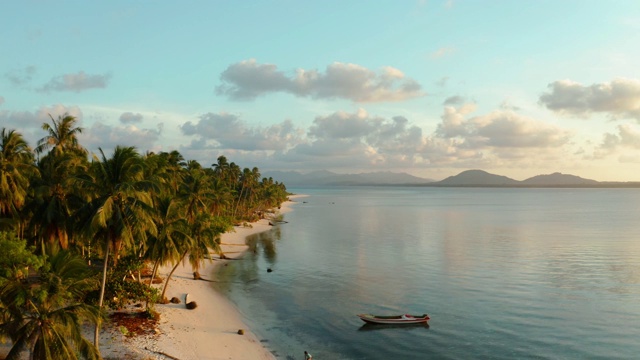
[395, 319]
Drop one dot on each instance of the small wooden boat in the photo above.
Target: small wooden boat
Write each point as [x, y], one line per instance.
[396, 319]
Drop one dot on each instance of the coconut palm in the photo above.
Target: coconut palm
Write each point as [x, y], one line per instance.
[53, 199]
[61, 136]
[206, 232]
[172, 233]
[16, 167]
[221, 198]
[204, 236]
[121, 211]
[52, 204]
[45, 314]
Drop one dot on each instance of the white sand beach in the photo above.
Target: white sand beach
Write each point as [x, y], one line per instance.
[206, 333]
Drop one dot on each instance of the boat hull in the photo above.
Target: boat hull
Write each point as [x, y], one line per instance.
[395, 320]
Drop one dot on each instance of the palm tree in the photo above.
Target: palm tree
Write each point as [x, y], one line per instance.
[16, 166]
[172, 234]
[62, 136]
[46, 314]
[195, 193]
[205, 234]
[196, 197]
[54, 200]
[121, 211]
[221, 197]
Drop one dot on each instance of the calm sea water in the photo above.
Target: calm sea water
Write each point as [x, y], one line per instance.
[503, 273]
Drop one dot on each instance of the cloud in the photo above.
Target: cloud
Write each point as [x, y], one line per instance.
[454, 100]
[499, 129]
[22, 76]
[628, 137]
[107, 137]
[507, 105]
[361, 140]
[227, 131]
[509, 129]
[442, 52]
[248, 80]
[30, 123]
[342, 125]
[130, 118]
[442, 82]
[76, 82]
[619, 98]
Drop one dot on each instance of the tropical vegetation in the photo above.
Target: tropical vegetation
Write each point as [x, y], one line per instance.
[77, 231]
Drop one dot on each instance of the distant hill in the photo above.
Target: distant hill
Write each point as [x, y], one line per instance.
[469, 178]
[480, 178]
[558, 179]
[328, 178]
[477, 178]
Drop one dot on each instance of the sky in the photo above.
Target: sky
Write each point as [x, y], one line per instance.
[430, 88]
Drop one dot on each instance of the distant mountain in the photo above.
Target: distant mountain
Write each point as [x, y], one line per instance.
[558, 179]
[469, 178]
[328, 178]
[480, 178]
[476, 178]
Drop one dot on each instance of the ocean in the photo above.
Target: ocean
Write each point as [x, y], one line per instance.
[503, 273]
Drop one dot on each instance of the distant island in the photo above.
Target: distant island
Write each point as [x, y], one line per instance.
[469, 178]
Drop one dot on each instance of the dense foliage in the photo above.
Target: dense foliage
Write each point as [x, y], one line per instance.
[76, 230]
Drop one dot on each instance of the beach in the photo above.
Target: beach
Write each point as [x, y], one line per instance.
[208, 332]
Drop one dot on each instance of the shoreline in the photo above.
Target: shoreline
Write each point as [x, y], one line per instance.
[208, 332]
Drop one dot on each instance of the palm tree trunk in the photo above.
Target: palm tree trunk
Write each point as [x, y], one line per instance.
[238, 203]
[164, 289]
[96, 336]
[155, 271]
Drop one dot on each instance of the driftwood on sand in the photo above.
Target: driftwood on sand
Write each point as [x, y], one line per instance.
[162, 353]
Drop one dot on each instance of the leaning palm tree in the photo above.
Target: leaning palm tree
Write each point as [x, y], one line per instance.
[45, 314]
[204, 236]
[172, 232]
[120, 212]
[206, 232]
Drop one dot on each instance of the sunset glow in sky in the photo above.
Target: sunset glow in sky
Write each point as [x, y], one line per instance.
[431, 88]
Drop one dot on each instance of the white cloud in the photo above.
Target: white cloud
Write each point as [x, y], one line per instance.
[248, 80]
[107, 137]
[227, 131]
[29, 124]
[76, 82]
[500, 137]
[619, 98]
[341, 125]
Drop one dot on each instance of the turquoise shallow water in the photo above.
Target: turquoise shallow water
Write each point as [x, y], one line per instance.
[503, 273]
